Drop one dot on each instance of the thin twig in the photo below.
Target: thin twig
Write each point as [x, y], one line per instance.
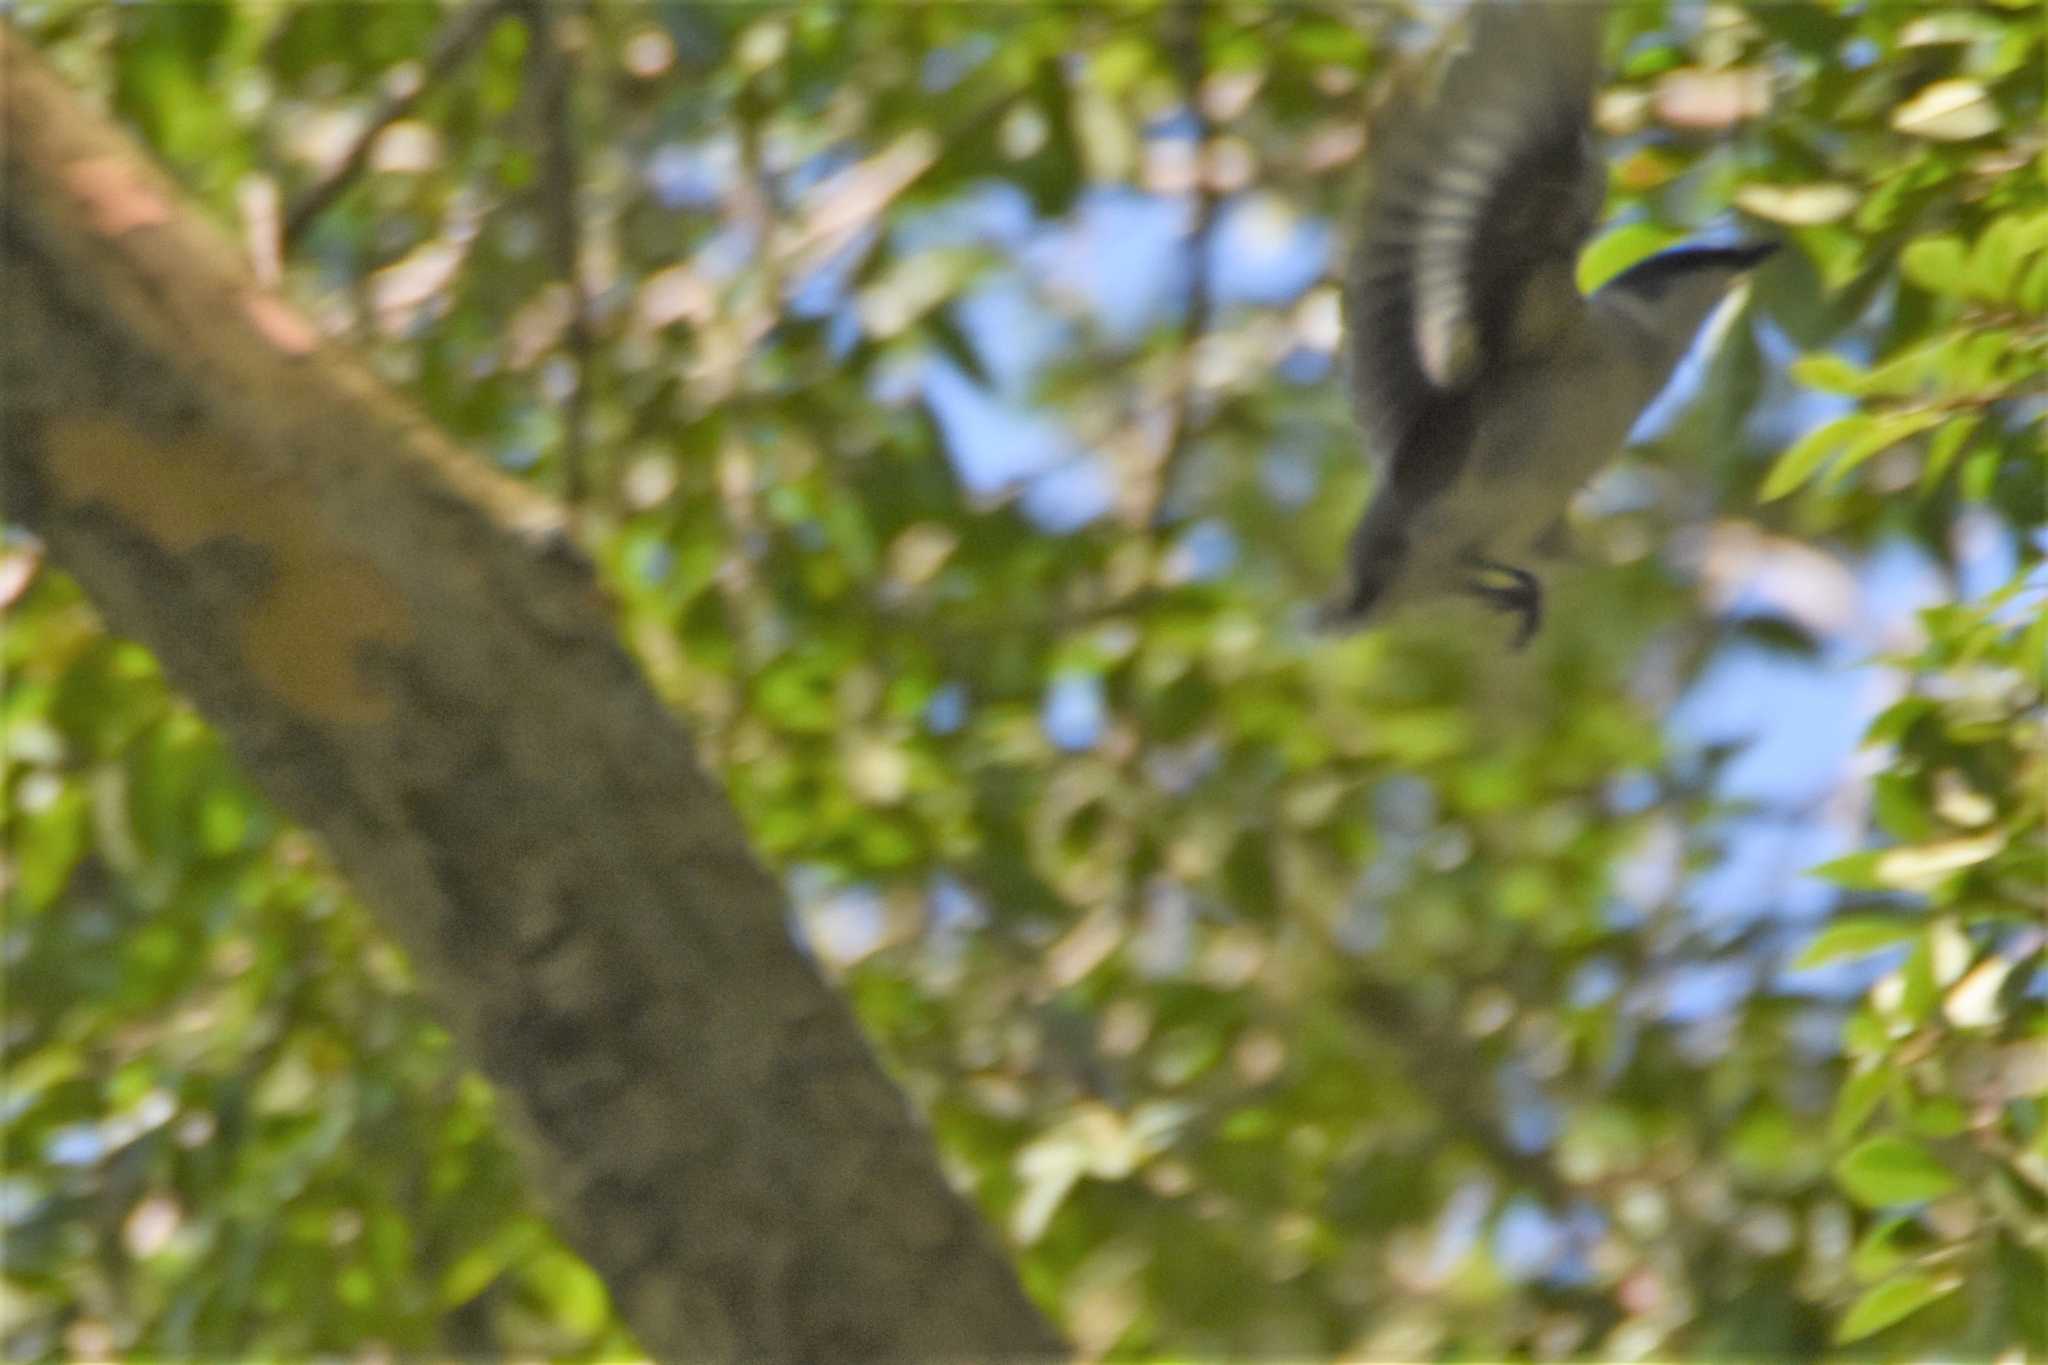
[552, 73]
[456, 41]
[1181, 421]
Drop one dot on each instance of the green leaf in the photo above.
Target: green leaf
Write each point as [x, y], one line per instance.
[1858, 1099]
[1995, 261]
[1899, 718]
[1856, 871]
[2033, 291]
[1866, 1034]
[1830, 372]
[1119, 63]
[1808, 454]
[2029, 232]
[49, 843]
[1884, 432]
[1899, 802]
[1974, 1001]
[483, 1262]
[1918, 994]
[1892, 1170]
[1617, 250]
[1948, 111]
[1324, 40]
[2033, 652]
[1855, 937]
[1946, 445]
[573, 1291]
[1922, 867]
[1799, 205]
[1976, 364]
[1934, 263]
[1766, 1145]
[1897, 1298]
[1909, 372]
[1879, 1252]
[1939, 1117]
[1912, 867]
[1979, 473]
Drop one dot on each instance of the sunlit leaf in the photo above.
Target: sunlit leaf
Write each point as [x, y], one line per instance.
[1829, 372]
[1948, 111]
[1806, 455]
[1619, 248]
[1895, 1299]
[1973, 1001]
[1920, 867]
[2033, 291]
[1855, 938]
[1934, 263]
[1883, 432]
[1799, 205]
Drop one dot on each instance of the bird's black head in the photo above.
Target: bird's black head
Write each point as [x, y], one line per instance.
[1651, 279]
[1674, 292]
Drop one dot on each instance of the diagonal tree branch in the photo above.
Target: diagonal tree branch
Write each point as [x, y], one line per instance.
[401, 649]
[462, 35]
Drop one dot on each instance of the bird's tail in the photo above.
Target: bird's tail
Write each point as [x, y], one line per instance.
[1378, 553]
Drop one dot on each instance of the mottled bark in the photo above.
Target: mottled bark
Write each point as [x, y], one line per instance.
[408, 657]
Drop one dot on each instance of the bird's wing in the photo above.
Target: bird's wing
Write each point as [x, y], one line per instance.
[1482, 193]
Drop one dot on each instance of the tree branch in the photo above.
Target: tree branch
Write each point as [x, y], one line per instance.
[456, 41]
[403, 651]
[1181, 423]
[551, 70]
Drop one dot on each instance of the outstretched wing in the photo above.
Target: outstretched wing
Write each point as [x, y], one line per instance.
[1482, 194]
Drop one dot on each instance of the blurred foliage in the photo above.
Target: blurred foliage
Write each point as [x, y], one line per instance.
[1274, 995]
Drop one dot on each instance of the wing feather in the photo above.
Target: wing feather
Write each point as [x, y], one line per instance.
[1481, 190]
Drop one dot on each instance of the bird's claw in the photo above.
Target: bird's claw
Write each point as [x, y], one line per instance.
[1521, 594]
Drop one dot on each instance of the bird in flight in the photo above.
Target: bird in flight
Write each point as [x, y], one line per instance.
[1488, 387]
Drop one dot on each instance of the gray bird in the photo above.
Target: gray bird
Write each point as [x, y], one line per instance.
[1488, 386]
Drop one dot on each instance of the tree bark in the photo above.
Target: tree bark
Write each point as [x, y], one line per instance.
[404, 651]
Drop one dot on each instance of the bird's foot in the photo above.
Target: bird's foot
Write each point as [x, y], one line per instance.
[1508, 589]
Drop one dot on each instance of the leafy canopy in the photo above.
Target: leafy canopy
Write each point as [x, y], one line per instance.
[961, 442]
